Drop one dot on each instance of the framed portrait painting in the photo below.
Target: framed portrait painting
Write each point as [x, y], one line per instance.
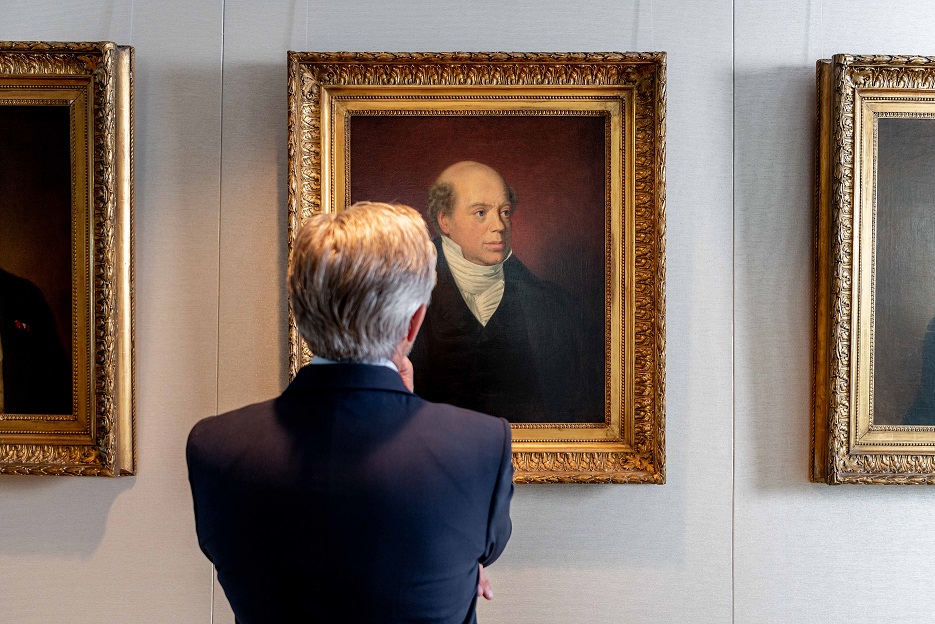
[874, 399]
[66, 261]
[570, 349]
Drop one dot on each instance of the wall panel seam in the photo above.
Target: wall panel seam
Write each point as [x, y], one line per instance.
[217, 351]
[733, 276]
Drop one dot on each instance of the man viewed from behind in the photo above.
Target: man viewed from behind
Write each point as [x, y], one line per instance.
[348, 498]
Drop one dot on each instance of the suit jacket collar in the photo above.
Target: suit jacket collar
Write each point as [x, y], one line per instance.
[348, 376]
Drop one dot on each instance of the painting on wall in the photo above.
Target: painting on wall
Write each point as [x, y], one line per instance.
[66, 261]
[569, 150]
[874, 403]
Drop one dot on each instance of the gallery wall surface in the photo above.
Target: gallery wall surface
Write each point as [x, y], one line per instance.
[576, 549]
[736, 535]
[122, 550]
[805, 552]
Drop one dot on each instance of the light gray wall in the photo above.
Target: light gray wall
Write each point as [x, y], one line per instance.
[737, 533]
[805, 552]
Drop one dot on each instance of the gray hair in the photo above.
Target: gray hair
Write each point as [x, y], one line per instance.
[357, 277]
[442, 200]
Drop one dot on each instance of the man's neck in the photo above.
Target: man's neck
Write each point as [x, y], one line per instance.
[318, 360]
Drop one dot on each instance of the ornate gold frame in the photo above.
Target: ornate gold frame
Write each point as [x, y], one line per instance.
[325, 89]
[95, 80]
[847, 447]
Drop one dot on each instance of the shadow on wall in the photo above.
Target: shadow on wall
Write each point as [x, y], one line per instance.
[56, 516]
[254, 219]
[616, 525]
[775, 125]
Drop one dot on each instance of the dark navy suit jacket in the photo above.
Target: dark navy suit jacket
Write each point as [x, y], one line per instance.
[350, 499]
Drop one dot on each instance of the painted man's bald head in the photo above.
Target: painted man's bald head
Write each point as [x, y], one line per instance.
[441, 194]
[472, 204]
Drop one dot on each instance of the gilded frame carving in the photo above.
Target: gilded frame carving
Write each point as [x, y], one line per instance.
[327, 89]
[94, 83]
[854, 94]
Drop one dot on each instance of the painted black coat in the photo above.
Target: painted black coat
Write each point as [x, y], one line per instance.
[36, 369]
[525, 365]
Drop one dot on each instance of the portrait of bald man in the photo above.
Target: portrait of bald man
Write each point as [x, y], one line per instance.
[497, 339]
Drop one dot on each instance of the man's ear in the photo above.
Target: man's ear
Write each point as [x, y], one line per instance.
[415, 323]
[443, 224]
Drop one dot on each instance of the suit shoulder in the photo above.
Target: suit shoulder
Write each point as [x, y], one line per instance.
[229, 429]
[466, 441]
[465, 421]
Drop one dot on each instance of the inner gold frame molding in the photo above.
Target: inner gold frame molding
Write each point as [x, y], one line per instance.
[326, 89]
[95, 80]
[854, 92]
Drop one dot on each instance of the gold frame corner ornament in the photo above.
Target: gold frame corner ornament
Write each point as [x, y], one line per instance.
[96, 81]
[853, 92]
[629, 88]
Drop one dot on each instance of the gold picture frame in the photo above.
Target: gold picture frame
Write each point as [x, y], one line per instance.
[67, 109]
[875, 343]
[345, 109]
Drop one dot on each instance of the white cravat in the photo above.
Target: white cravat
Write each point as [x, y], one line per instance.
[480, 286]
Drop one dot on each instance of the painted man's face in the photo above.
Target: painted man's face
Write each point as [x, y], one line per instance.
[480, 220]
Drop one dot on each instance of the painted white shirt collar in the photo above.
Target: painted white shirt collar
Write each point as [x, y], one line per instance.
[480, 286]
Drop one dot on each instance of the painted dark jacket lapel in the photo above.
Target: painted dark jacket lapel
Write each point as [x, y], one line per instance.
[493, 369]
[536, 372]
